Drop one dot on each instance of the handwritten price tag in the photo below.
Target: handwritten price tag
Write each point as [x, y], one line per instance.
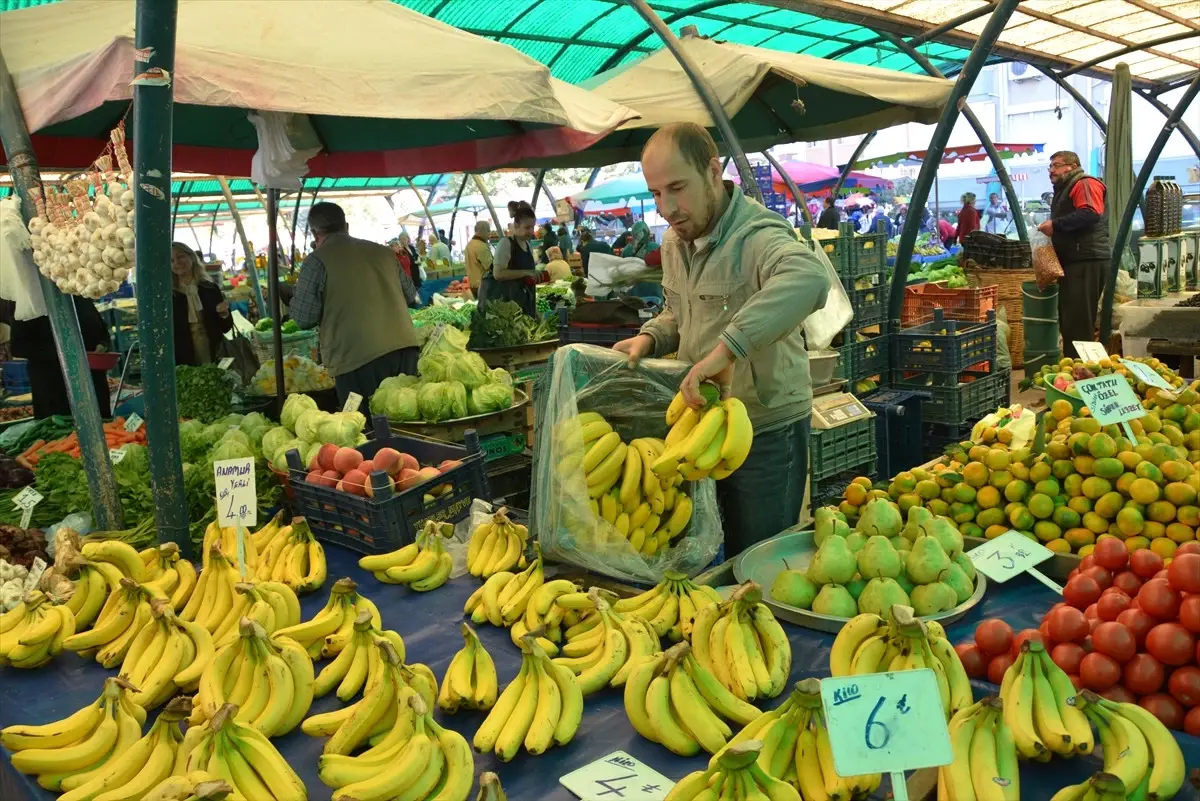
[886, 722]
[353, 401]
[1110, 399]
[115, 455]
[618, 776]
[237, 504]
[1146, 374]
[1090, 351]
[25, 500]
[134, 422]
[1012, 554]
[225, 363]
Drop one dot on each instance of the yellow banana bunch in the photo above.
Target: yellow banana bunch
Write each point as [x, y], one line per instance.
[650, 510]
[670, 606]
[94, 581]
[414, 758]
[740, 641]
[541, 707]
[165, 656]
[795, 748]
[293, 556]
[212, 601]
[34, 631]
[711, 441]
[423, 565]
[123, 615]
[168, 574]
[1101, 787]
[198, 785]
[605, 646]
[227, 538]
[985, 756]
[541, 616]
[470, 680]
[490, 789]
[672, 700]
[242, 755]
[496, 546]
[504, 598]
[272, 604]
[575, 437]
[735, 774]
[359, 661]
[68, 753]
[330, 630]
[1042, 709]
[120, 555]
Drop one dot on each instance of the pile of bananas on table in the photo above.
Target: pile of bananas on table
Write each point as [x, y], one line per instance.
[524, 602]
[670, 606]
[713, 440]
[496, 546]
[736, 773]
[34, 631]
[422, 565]
[742, 643]
[331, 628]
[290, 554]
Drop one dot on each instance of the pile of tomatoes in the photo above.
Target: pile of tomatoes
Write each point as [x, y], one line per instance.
[1128, 629]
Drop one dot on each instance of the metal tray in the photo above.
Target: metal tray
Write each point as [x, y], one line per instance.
[764, 561]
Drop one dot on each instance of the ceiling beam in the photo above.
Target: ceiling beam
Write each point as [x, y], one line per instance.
[1074, 26]
[1175, 37]
[1162, 12]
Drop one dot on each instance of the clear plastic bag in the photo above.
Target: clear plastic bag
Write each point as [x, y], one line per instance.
[633, 401]
[1046, 267]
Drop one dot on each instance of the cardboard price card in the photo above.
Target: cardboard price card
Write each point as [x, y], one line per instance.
[353, 401]
[134, 422]
[617, 776]
[1008, 555]
[1110, 399]
[1090, 351]
[1145, 373]
[237, 502]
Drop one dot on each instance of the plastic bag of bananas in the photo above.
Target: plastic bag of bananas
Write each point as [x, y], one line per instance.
[596, 502]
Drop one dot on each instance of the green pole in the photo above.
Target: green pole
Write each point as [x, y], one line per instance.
[64, 322]
[152, 108]
[1002, 10]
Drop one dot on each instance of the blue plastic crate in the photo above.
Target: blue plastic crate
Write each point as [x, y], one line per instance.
[923, 347]
[16, 374]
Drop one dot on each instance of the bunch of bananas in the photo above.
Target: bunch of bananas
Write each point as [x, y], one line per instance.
[120, 555]
[496, 546]
[604, 647]
[330, 630]
[293, 556]
[470, 680]
[360, 661]
[123, 615]
[1042, 709]
[211, 603]
[489, 788]
[169, 574]
[869, 644]
[713, 440]
[1100, 787]
[423, 564]
[70, 752]
[241, 755]
[227, 538]
[167, 655]
[985, 755]
[272, 604]
[416, 759]
[1139, 751]
[542, 706]
[672, 700]
[671, 605]
[742, 643]
[267, 681]
[198, 785]
[735, 774]
[543, 616]
[94, 581]
[34, 631]
[504, 597]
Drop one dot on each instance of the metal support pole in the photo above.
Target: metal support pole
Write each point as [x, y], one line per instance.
[1014, 200]
[212, 232]
[154, 33]
[457, 198]
[797, 192]
[855, 156]
[488, 200]
[424, 206]
[64, 322]
[251, 268]
[592, 178]
[1188, 135]
[273, 293]
[962, 88]
[1139, 186]
[195, 234]
[539, 178]
[692, 70]
[263, 202]
[292, 231]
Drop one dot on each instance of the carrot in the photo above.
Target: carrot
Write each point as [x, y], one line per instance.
[32, 449]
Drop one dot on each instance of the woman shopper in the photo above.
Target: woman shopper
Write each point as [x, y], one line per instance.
[515, 272]
[200, 310]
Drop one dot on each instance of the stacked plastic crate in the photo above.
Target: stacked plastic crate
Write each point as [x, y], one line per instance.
[839, 455]
[773, 200]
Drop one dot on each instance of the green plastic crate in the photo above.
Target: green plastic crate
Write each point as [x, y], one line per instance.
[834, 450]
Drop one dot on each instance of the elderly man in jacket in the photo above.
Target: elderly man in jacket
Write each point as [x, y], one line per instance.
[738, 287]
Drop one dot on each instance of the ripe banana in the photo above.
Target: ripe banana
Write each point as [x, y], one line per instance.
[711, 441]
[242, 756]
[35, 632]
[740, 642]
[597, 654]
[330, 629]
[496, 546]
[429, 568]
[470, 680]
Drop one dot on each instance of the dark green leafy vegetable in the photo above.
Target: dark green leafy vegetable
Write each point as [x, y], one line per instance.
[205, 393]
[503, 324]
[433, 315]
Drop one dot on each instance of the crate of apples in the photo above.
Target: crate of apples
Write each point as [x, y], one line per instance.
[346, 470]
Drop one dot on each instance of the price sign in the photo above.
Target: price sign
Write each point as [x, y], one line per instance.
[225, 363]
[1146, 374]
[620, 776]
[134, 422]
[886, 722]
[237, 504]
[1090, 351]
[115, 455]
[1012, 554]
[1110, 399]
[25, 501]
[353, 401]
[34, 575]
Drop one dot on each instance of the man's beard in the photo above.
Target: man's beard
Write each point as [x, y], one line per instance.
[710, 208]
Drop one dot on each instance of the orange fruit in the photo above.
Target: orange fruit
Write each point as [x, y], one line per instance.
[1161, 511]
[1180, 532]
[1058, 545]
[1163, 547]
[1079, 537]
[1144, 491]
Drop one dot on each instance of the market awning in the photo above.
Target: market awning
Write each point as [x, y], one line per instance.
[430, 97]
[616, 191]
[815, 179]
[951, 155]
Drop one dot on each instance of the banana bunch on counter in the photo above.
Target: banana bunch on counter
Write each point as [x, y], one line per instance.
[169, 573]
[198, 785]
[329, 631]
[496, 546]
[470, 681]
[272, 604]
[34, 631]
[120, 555]
[360, 662]
[604, 647]
[735, 774]
[985, 755]
[242, 755]
[168, 654]
[123, 615]
[227, 538]
[711, 441]
[423, 564]
[1043, 709]
[94, 582]
[670, 606]
[291, 555]
[742, 643]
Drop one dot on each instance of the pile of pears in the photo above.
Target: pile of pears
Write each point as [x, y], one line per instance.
[883, 561]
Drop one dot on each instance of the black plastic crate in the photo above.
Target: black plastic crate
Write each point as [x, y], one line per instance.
[390, 520]
[897, 427]
[967, 395]
[835, 450]
[828, 491]
[869, 303]
[936, 436]
[592, 333]
[924, 347]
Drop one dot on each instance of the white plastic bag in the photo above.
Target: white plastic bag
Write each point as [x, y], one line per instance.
[19, 280]
[825, 323]
[608, 273]
[286, 142]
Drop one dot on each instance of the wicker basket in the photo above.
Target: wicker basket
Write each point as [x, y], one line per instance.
[1009, 298]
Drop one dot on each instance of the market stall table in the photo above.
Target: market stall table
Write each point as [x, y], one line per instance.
[429, 626]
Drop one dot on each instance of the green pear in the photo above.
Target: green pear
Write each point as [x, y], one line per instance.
[835, 600]
[856, 586]
[899, 543]
[962, 560]
[878, 559]
[946, 533]
[833, 563]
[823, 524]
[855, 541]
[916, 516]
[880, 595]
[880, 516]
[927, 599]
[956, 579]
[793, 588]
[905, 583]
[926, 560]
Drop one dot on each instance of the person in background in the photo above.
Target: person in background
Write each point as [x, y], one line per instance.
[549, 240]
[641, 246]
[200, 311]
[589, 244]
[945, 232]
[738, 289]
[479, 256]
[830, 216]
[515, 272]
[421, 251]
[899, 217]
[623, 239]
[997, 213]
[871, 215]
[557, 267]
[441, 235]
[351, 287]
[968, 217]
[407, 258]
[438, 252]
[1079, 231]
[564, 241]
[33, 340]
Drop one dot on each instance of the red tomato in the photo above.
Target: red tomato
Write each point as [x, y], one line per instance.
[1119, 694]
[997, 667]
[1067, 656]
[1067, 625]
[1189, 613]
[1047, 640]
[1145, 563]
[1087, 562]
[1022, 636]
[1128, 581]
[1171, 644]
[1184, 572]
[1159, 600]
[1078, 682]
[1074, 572]
[1102, 576]
[1110, 553]
[1165, 708]
[1112, 603]
[1188, 547]
[1137, 621]
[1113, 639]
[1090, 613]
[1162, 574]
[1191, 722]
[1081, 591]
[993, 637]
[1099, 672]
[1143, 674]
[973, 660]
[1185, 685]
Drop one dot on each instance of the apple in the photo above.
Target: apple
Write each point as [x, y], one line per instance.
[313, 477]
[408, 478]
[389, 460]
[408, 461]
[429, 473]
[330, 478]
[346, 459]
[325, 455]
[367, 466]
[355, 482]
[449, 464]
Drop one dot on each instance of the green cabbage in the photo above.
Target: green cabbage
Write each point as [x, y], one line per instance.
[358, 418]
[293, 407]
[253, 421]
[308, 424]
[273, 439]
[435, 367]
[308, 451]
[232, 419]
[341, 429]
[232, 448]
[434, 401]
[137, 457]
[469, 368]
[447, 339]
[213, 433]
[192, 441]
[500, 376]
[398, 404]
[399, 382]
[489, 398]
[279, 459]
[235, 434]
[458, 399]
